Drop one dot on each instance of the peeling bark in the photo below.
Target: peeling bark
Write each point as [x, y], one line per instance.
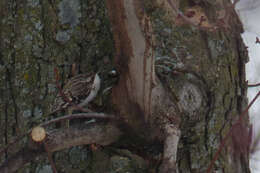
[139, 84]
[134, 56]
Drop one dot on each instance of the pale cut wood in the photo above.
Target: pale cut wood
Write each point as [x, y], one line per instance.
[38, 134]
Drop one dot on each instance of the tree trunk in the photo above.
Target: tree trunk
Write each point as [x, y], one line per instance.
[181, 86]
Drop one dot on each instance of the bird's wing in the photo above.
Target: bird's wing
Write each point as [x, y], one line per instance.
[77, 88]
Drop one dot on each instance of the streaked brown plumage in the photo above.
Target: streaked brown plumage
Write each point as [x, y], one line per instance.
[76, 90]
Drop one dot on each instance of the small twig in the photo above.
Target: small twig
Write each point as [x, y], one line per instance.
[50, 158]
[253, 85]
[64, 97]
[80, 115]
[222, 144]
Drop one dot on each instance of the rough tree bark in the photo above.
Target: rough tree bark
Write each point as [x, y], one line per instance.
[181, 81]
[203, 60]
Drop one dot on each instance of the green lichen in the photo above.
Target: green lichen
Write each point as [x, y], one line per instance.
[183, 52]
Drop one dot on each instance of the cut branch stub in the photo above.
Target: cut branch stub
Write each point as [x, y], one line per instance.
[102, 134]
[38, 134]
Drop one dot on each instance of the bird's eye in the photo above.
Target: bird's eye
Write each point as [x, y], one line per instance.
[113, 73]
